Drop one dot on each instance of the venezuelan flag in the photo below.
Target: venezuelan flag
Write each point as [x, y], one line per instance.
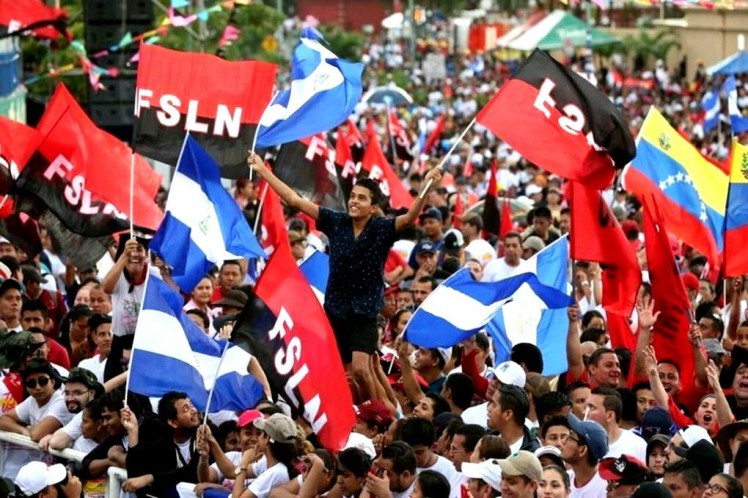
[736, 219]
[691, 191]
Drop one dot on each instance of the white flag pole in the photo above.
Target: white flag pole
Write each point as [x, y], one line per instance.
[133, 350]
[212, 389]
[132, 192]
[258, 216]
[444, 159]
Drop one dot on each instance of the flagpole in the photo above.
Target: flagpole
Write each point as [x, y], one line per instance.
[132, 191]
[389, 132]
[258, 216]
[5, 199]
[257, 131]
[212, 389]
[133, 350]
[444, 159]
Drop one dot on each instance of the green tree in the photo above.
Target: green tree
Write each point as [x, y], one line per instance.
[650, 47]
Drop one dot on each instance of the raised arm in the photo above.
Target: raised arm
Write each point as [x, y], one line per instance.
[724, 413]
[573, 347]
[647, 319]
[733, 320]
[109, 284]
[407, 219]
[285, 192]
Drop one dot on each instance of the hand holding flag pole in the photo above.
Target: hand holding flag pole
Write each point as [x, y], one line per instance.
[444, 159]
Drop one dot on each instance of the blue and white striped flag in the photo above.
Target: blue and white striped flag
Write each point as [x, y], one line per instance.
[738, 122]
[316, 269]
[170, 353]
[528, 319]
[711, 105]
[324, 91]
[461, 306]
[203, 226]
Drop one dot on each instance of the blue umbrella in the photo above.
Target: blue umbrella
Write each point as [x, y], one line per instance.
[379, 95]
[737, 63]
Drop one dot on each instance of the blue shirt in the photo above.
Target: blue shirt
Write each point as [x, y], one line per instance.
[356, 281]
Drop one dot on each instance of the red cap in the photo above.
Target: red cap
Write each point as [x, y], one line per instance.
[675, 246]
[248, 417]
[690, 281]
[624, 468]
[374, 411]
[630, 228]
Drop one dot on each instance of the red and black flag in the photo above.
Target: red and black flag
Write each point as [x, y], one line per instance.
[491, 215]
[375, 166]
[217, 101]
[82, 175]
[399, 136]
[305, 166]
[33, 17]
[353, 139]
[345, 166]
[23, 231]
[597, 236]
[561, 122]
[435, 135]
[285, 328]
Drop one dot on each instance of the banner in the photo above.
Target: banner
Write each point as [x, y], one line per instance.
[82, 174]
[218, 102]
[305, 166]
[284, 327]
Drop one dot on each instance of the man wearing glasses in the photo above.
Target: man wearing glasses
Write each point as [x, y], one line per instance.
[586, 444]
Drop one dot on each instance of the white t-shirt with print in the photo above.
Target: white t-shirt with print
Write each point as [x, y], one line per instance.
[126, 306]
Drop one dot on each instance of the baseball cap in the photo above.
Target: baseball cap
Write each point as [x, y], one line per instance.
[656, 420]
[14, 347]
[522, 463]
[533, 242]
[692, 435]
[233, 298]
[488, 471]
[445, 353]
[510, 373]
[31, 274]
[453, 240]
[33, 477]
[3, 240]
[652, 490]
[248, 417]
[625, 469]
[728, 432]
[280, 428]
[550, 452]
[431, 212]
[374, 411]
[361, 442]
[593, 434]
[10, 283]
[533, 189]
[690, 281]
[425, 246]
[706, 457]
[4, 271]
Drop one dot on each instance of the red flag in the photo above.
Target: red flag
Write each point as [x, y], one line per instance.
[467, 171]
[17, 14]
[400, 137]
[597, 236]
[287, 330]
[671, 330]
[435, 134]
[379, 169]
[458, 211]
[620, 332]
[491, 215]
[352, 135]
[273, 224]
[17, 144]
[82, 174]
[506, 224]
[584, 137]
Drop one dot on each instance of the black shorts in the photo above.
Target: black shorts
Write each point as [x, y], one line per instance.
[354, 333]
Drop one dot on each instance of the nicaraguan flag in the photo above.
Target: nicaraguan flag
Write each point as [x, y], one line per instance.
[316, 269]
[711, 106]
[203, 226]
[460, 307]
[528, 319]
[738, 122]
[324, 90]
[170, 353]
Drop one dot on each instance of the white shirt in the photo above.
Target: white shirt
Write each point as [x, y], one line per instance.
[596, 488]
[628, 443]
[447, 469]
[126, 306]
[406, 493]
[481, 250]
[477, 414]
[497, 270]
[235, 457]
[275, 476]
[73, 428]
[95, 366]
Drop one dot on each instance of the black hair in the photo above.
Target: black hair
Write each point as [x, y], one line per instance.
[687, 471]
[740, 460]
[97, 320]
[542, 212]
[704, 308]
[232, 262]
[588, 316]
[417, 431]
[440, 404]
[11, 262]
[224, 430]
[563, 473]
[271, 410]
[373, 187]
[624, 360]
[554, 421]
[167, 409]
[462, 388]
[592, 334]
[734, 487]
[427, 278]
[201, 314]
[355, 461]
[434, 352]
[113, 401]
[550, 402]
[513, 235]
[629, 408]
[529, 355]
[403, 457]
[286, 454]
[35, 305]
[472, 433]
[515, 399]
[433, 484]
[576, 385]
[611, 400]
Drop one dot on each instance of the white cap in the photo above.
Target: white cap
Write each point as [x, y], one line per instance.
[488, 471]
[533, 189]
[693, 434]
[363, 443]
[4, 271]
[445, 353]
[35, 476]
[510, 373]
[3, 240]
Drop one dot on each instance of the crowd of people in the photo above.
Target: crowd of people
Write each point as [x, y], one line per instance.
[430, 423]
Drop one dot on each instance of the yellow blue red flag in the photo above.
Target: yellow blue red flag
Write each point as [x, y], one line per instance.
[736, 217]
[690, 190]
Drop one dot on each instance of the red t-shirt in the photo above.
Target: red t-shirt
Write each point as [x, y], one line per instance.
[58, 354]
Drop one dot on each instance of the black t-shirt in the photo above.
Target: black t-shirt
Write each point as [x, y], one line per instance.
[356, 281]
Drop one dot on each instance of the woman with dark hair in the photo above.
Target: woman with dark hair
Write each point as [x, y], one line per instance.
[431, 484]
[353, 467]
[318, 478]
[73, 331]
[555, 483]
[277, 445]
[723, 486]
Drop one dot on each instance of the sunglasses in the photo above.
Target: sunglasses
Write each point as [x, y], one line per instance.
[43, 381]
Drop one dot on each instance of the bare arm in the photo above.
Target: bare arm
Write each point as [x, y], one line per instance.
[658, 390]
[45, 426]
[109, 284]
[734, 317]
[115, 382]
[60, 440]
[647, 319]
[410, 383]
[289, 490]
[285, 192]
[724, 413]
[407, 219]
[573, 347]
[699, 358]
[10, 422]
